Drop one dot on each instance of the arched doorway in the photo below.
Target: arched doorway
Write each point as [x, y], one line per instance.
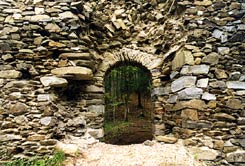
[149, 62]
[128, 106]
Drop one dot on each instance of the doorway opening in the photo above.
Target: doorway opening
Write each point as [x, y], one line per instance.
[128, 105]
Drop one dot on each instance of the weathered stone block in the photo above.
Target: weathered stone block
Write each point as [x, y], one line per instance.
[196, 124]
[167, 139]
[182, 58]
[53, 81]
[202, 83]
[36, 137]
[10, 74]
[183, 82]
[235, 85]
[212, 58]
[196, 69]
[190, 93]
[74, 72]
[18, 109]
[190, 114]
[236, 157]
[76, 122]
[99, 109]
[96, 133]
[204, 153]
[234, 104]
[241, 121]
[48, 121]
[86, 56]
[193, 104]
[161, 91]
[208, 96]
[224, 117]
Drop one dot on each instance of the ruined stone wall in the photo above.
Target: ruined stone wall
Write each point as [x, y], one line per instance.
[54, 56]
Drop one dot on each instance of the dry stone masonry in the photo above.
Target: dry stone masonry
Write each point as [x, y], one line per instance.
[54, 56]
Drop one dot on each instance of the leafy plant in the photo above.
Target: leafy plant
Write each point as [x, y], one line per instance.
[55, 160]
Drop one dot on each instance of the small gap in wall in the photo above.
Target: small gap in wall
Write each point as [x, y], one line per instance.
[26, 74]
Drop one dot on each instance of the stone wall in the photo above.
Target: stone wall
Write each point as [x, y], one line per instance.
[54, 56]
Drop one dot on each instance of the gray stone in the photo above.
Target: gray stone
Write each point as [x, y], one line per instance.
[76, 122]
[53, 81]
[15, 95]
[99, 109]
[241, 121]
[37, 18]
[196, 69]
[208, 96]
[224, 50]
[68, 15]
[240, 92]
[9, 137]
[242, 78]
[190, 93]
[241, 27]
[183, 82]
[76, 73]
[44, 97]
[20, 119]
[7, 57]
[172, 99]
[220, 35]
[236, 157]
[204, 153]
[234, 76]
[217, 84]
[46, 121]
[161, 91]
[96, 133]
[202, 83]
[93, 88]
[10, 74]
[212, 58]
[52, 27]
[235, 85]
[196, 124]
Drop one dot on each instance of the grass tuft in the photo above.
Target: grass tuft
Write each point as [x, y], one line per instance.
[55, 160]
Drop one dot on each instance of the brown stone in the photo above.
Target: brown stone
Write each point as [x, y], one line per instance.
[194, 104]
[189, 114]
[18, 109]
[36, 137]
[218, 144]
[10, 74]
[74, 72]
[234, 104]
[167, 139]
[76, 56]
[224, 117]
[220, 74]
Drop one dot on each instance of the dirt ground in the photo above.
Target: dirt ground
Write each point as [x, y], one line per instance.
[150, 153]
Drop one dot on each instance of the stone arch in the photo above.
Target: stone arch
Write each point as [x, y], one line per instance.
[151, 62]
